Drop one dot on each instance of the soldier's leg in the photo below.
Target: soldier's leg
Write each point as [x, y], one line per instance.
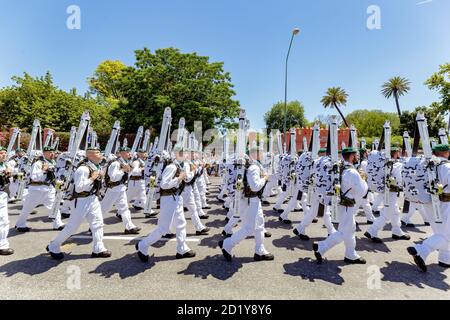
[180, 224]
[4, 221]
[32, 199]
[48, 202]
[168, 207]
[123, 210]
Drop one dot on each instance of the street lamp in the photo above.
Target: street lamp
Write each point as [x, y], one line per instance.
[295, 32]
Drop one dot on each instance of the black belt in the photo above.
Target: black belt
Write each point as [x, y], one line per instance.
[168, 192]
[39, 183]
[136, 178]
[114, 184]
[445, 197]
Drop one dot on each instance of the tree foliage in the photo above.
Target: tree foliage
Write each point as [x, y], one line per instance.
[370, 122]
[335, 97]
[32, 98]
[295, 118]
[191, 85]
[440, 81]
[433, 115]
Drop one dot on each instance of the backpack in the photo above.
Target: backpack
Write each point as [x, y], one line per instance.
[376, 171]
[323, 182]
[415, 180]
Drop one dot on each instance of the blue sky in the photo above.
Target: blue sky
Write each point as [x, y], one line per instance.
[335, 47]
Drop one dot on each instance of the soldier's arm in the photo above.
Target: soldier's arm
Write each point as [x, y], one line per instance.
[168, 180]
[114, 172]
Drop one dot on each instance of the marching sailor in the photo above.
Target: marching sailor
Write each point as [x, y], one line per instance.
[5, 171]
[16, 164]
[390, 212]
[41, 190]
[353, 188]
[116, 179]
[171, 212]
[136, 186]
[364, 202]
[312, 212]
[188, 195]
[87, 181]
[252, 216]
[440, 240]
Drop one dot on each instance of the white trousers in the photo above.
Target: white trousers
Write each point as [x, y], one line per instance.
[83, 208]
[201, 185]
[271, 184]
[35, 196]
[345, 233]
[117, 197]
[13, 188]
[136, 192]
[413, 207]
[311, 213]
[293, 204]
[189, 203]
[391, 213]
[280, 199]
[440, 240]
[367, 208]
[4, 221]
[252, 224]
[197, 199]
[171, 213]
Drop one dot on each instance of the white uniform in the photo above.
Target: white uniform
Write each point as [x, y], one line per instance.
[251, 214]
[171, 213]
[357, 188]
[391, 212]
[40, 191]
[87, 207]
[4, 221]
[189, 198]
[136, 184]
[117, 196]
[440, 240]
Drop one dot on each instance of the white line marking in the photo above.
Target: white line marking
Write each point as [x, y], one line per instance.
[130, 238]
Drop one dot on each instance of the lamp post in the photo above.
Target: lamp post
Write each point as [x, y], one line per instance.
[295, 32]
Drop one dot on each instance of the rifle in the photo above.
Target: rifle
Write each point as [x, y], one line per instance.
[35, 143]
[434, 187]
[336, 172]
[62, 185]
[314, 149]
[159, 161]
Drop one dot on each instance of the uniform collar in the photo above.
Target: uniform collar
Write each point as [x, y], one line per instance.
[348, 164]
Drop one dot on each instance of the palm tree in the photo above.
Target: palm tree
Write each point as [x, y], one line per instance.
[396, 87]
[336, 97]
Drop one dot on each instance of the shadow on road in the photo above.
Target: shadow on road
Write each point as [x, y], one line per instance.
[127, 266]
[211, 241]
[408, 274]
[309, 270]
[36, 265]
[364, 244]
[294, 243]
[216, 267]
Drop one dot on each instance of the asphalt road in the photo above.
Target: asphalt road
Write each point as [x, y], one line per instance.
[389, 274]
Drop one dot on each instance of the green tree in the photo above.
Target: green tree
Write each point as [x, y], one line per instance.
[107, 80]
[191, 85]
[370, 122]
[334, 98]
[396, 87]
[434, 117]
[440, 81]
[295, 116]
[32, 98]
